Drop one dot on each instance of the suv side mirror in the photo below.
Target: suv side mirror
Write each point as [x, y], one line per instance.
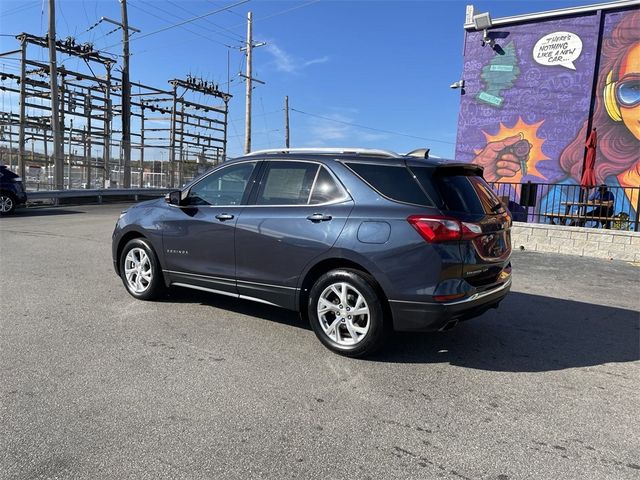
[174, 198]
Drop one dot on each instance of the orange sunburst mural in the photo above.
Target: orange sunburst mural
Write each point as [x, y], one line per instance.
[528, 150]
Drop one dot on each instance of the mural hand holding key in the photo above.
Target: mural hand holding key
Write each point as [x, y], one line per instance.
[504, 158]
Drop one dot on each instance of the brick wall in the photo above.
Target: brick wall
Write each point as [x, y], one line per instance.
[587, 242]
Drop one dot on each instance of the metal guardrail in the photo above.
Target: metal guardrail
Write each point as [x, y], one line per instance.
[98, 193]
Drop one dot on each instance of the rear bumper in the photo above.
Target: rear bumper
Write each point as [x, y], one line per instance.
[427, 317]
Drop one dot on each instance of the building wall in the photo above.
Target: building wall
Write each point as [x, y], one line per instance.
[533, 98]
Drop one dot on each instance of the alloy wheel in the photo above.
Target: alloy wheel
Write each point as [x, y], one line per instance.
[138, 270]
[6, 204]
[343, 314]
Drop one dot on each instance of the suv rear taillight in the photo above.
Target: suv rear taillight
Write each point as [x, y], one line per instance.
[443, 229]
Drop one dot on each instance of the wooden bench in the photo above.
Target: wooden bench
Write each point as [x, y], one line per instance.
[563, 217]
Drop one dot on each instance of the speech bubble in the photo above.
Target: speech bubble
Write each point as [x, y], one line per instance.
[558, 48]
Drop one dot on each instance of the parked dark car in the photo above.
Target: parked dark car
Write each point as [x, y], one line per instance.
[358, 241]
[12, 192]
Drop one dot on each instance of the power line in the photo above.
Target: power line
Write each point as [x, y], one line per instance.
[19, 9]
[164, 29]
[289, 10]
[281, 12]
[371, 128]
[182, 27]
[235, 37]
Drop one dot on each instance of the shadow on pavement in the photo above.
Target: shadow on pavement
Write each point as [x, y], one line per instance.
[43, 212]
[243, 307]
[528, 333]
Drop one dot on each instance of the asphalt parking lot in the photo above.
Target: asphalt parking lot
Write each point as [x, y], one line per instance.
[95, 384]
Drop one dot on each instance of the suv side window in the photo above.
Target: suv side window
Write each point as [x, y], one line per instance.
[223, 187]
[287, 183]
[326, 189]
[393, 181]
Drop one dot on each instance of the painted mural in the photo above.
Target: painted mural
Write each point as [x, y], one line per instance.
[524, 115]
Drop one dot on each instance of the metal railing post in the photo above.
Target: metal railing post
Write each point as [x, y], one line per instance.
[635, 225]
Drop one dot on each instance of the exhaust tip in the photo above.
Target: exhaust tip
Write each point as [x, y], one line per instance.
[449, 325]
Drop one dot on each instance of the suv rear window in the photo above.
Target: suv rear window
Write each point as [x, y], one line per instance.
[393, 181]
[459, 192]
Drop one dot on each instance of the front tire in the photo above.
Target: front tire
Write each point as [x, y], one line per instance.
[140, 270]
[7, 203]
[346, 313]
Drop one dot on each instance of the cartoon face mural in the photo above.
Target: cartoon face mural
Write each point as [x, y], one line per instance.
[617, 107]
[525, 112]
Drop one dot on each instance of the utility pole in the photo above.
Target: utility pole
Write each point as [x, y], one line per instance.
[247, 108]
[249, 79]
[126, 97]
[172, 140]
[62, 117]
[46, 152]
[23, 119]
[107, 129]
[141, 179]
[126, 91]
[87, 141]
[70, 140]
[58, 154]
[10, 146]
[181, 164]
[286, 121]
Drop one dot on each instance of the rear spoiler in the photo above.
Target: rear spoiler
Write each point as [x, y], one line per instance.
[446, 168]
[458, 168]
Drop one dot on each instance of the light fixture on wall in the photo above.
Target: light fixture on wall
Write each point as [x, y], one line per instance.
[458, 84]
[482, 21]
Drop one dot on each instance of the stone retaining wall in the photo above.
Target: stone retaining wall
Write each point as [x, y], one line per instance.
[587, 242]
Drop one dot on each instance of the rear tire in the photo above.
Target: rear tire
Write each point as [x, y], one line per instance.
[346, 313]
[140, 270]
[7, 203]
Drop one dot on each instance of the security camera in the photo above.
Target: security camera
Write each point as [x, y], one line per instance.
[458, 84]
[487, 40]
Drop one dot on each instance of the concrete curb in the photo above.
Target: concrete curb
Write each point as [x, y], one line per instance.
[585, 242]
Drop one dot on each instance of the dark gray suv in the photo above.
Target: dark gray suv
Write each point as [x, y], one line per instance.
[359, 241]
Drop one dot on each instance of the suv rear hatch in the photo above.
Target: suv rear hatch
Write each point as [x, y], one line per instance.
[463, 197]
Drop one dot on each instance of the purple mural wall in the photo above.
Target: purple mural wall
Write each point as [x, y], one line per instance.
[525, 112]
[527, 98]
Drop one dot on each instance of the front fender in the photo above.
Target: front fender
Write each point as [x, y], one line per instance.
[142, 220]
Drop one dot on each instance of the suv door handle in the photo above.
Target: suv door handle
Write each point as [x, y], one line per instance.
[224, 216]
[319, 217]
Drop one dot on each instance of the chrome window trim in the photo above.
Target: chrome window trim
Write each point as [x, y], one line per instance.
[313, 184]
[345, 198]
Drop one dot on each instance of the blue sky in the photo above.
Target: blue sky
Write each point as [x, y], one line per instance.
[380, 64]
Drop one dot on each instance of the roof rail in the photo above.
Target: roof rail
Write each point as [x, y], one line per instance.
[327, 151]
